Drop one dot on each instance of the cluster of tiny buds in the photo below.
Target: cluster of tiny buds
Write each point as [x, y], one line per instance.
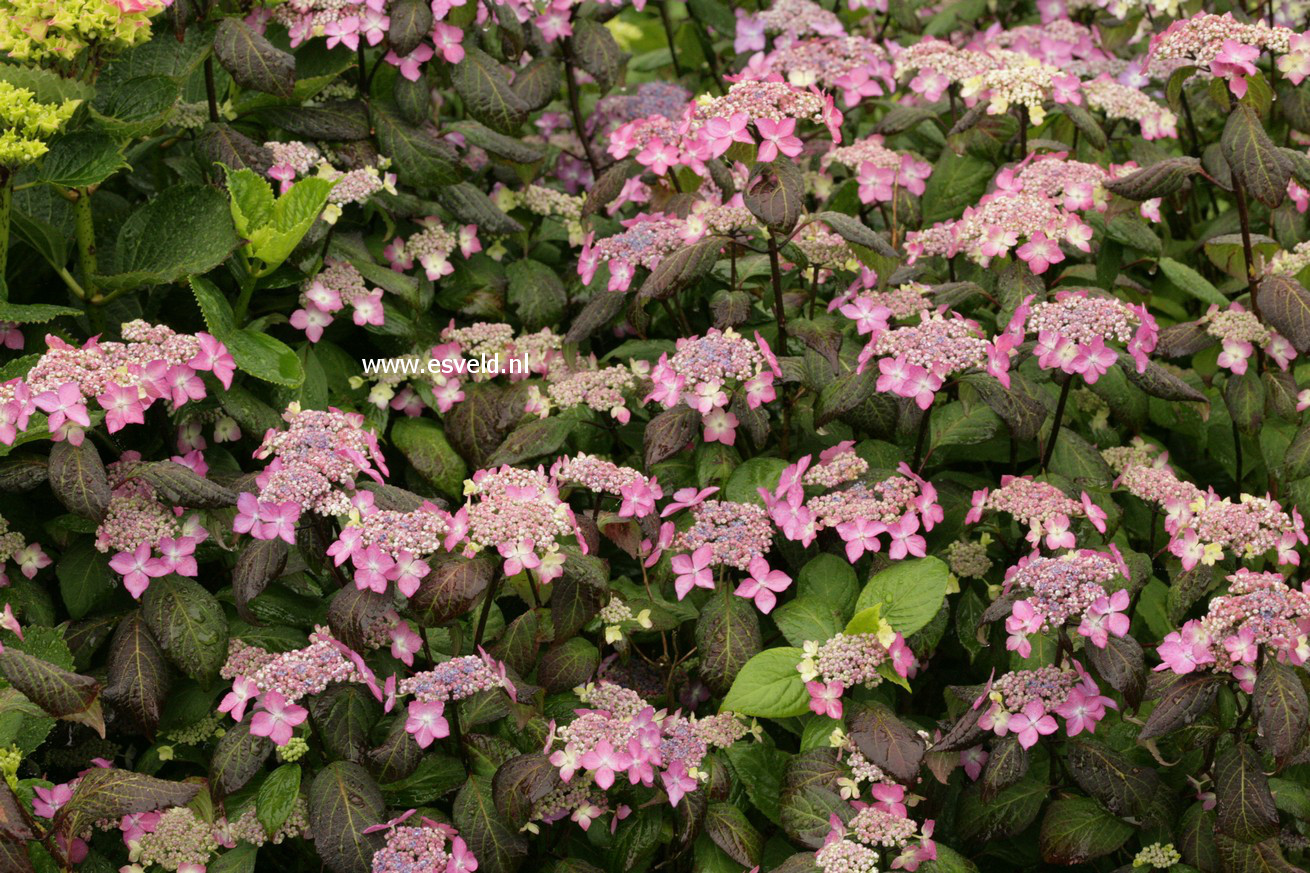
[1157, 856]
[1040, 506]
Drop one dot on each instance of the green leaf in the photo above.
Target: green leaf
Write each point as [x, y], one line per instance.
[957, 181]
[47, 85]
[491, 840]
[1076, 830]
[274, 227]
[137, 107]
[536, 293]
[769, 686]
[343, 801]
[253, 61]
[189, 623]
[186, 229]
[807, 618]
[730, 830]
[910, 592]
[82, 159]
[84, 578]
[1192, 282]
[256, 353]
[424, 445]
[744, 483]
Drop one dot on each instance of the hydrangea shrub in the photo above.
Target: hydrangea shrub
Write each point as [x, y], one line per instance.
[815, 436]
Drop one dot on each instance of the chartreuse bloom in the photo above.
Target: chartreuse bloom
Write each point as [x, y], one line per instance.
[38, 30]
[28, 124]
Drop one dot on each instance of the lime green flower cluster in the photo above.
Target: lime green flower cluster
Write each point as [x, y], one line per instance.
[37, 30]
[10, 758]
[28, 124]
[294, 750]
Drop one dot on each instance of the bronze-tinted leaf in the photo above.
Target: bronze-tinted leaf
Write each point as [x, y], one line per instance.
[669, 433]
[888, 742]
[138, 674]
[610, 183]
[56, 691]
[259, 562]
[238, 756]
[1182, 702]
[498, 847]
[1122, 664]
[343, 716]
[730, 830]
[77, 476]
[110, 793]
[601, 309]
[681, 269]
[1125, 788]
[1006, 765]
[1157, 180]
[775, 193]
[520, 782]
[596, 51]
[727, 636]
[1246, 809]
[1281, 709]
[1252, 156]
[253, 61]
[411, 21]
[1285, 305]
[485, 86]
[182, 486]
[451, 589]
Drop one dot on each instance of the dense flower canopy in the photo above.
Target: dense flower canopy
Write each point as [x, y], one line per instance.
[671, 436]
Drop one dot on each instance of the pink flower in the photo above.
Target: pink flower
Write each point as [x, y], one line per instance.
[973, 760]
[1093, 360]
[1095, 514]
[519, 556]
[825, 699]
[777, 137]
[410, 64]
[448, 38]
[404, 643]
[426, 723]
[64, 405]
[1058, 535]
[1105, 618]
[1039, 253]
[278, 520]
[677, 782]
[234, 702]
[860, 536]
[658, 156]
[122, 406]
[49, 800]
[461, 858]
[763, 585]
[693, 571]
[1235, 62]
[685, 498]
[137, 569]
[905, 539]
[1242, 647]
[1031, 723]
[1082, 709]
[721, 133]
[275, 718]
[30, 559]
[1184, 650]
[639, 498]
[602, 761]
[720, 427]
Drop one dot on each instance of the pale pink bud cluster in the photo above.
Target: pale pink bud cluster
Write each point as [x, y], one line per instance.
[125, 379]
[623, 735]
[1025, 703]
[855, 65]
[338, 285]
[179, 838]
[849, 660]
[1118, 101]
[880, 169]
[637, 492]
[431, 247]
[797, 18]
[315, 463]
[1040, 506]
[1077, 330]
[306, 671]
[520, 514]
[1241, 333]
[994, 228]
[1289, 264]
[1203, 530]
[1259, 609]
[603, 390]
[1022, 80]
[1225, 47]
[938, 64]
[837, 466]
[915, 360]
[1059, 590]
[877, 837]
[735, 533]
[456, 679]
[706, 372]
